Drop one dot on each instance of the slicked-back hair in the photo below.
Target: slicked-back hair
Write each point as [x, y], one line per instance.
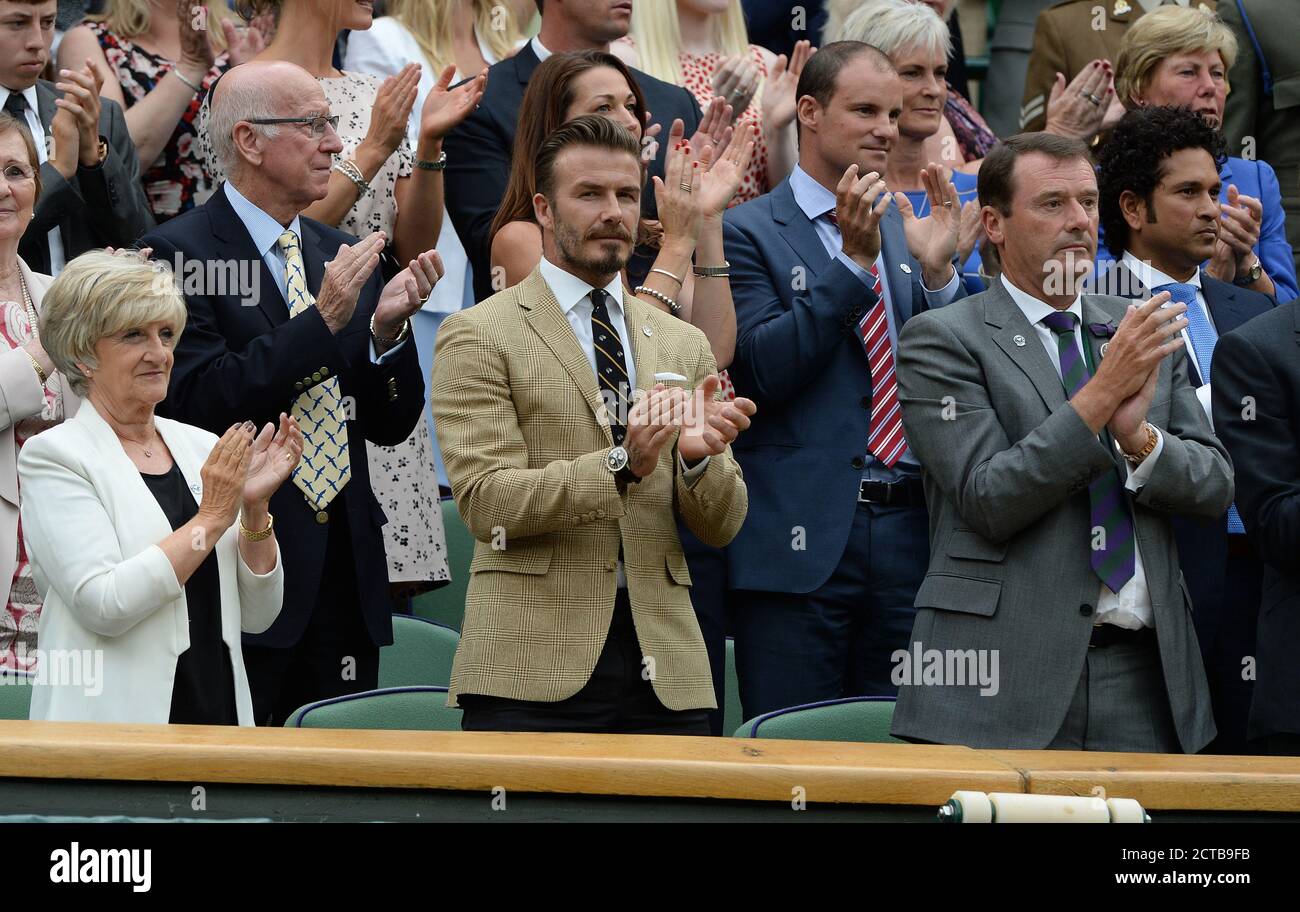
[822, 71]
[997, 177]
[1135, 157]
[590, 130]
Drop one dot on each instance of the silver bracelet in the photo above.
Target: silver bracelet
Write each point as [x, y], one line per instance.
[181, 76]
[350, 170]
[712, 272]
[672, 305]
[439, 165]
[665, 272]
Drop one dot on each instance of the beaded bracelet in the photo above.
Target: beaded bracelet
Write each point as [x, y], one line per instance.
[350, 170]
[672, 305]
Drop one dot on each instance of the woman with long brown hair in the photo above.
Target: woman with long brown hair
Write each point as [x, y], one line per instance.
[569, 85]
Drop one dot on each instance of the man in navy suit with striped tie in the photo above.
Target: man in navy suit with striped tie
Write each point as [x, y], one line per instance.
[1159, 183]
[824, 272]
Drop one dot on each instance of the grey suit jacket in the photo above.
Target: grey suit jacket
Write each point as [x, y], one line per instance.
[1007, 467]
[98, 207]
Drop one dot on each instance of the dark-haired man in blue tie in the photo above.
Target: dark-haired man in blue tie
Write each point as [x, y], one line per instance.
[1159, 184]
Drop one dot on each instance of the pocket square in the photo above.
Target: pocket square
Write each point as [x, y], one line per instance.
[669, 377]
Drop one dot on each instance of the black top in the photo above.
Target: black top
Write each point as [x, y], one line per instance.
[204, 690]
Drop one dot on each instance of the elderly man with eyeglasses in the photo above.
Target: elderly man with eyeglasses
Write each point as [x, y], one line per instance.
[288, 314]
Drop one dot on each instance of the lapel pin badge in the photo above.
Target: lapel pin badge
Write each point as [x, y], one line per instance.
[1102, 351]
[647, 330]
[1019, 340]
[906, 269]
[1121, 7]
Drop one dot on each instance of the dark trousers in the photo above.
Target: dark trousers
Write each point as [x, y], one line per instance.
[837, 641]
[335, 655]
[616, 700]
[708, 568]
[1234, 640]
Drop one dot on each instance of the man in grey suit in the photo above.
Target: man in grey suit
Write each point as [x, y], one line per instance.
[1058, 433]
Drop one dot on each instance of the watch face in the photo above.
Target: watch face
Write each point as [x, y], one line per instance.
[616, 459]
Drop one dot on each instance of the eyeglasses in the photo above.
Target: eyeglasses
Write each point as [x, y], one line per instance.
[15, 173]
[316, 124]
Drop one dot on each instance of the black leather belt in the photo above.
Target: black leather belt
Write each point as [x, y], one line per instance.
[1104, 635]
[906, 493]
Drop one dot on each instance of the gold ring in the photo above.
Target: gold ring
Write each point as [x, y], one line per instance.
[686, 188]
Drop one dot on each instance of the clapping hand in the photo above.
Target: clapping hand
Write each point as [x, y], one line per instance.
[405, 295]
[243, 44]
[677, 195]
[445, 107]
[779, 101]
[1085, 107]
[721, 180]
[736, 80]
[392, 110]
[711, 425]
[81, 100]
[345, 276]
[933, 239]
[273, 457]
[714, 129]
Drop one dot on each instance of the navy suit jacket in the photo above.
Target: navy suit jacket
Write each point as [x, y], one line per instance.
[240, 361]
[1262, 360]
[799, 357]
[1202, 543]
[480, 148]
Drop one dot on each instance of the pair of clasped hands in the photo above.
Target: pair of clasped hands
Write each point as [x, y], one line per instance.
[707, 426]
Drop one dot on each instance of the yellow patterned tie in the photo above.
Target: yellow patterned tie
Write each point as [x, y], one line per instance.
[324, 468]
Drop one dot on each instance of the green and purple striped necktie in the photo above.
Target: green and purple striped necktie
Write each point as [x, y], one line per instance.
[1114, 557]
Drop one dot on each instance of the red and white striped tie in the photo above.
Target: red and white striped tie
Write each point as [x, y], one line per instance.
[885, 438]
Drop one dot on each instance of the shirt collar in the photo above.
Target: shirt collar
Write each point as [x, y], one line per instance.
[1034, 309]
[1153, 278]
[814, 199]
[571, 291]
[540, 49]
[264, 229]
[29, 95]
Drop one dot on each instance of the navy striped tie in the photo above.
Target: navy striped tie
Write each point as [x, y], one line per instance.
[1114, 549]
[611, 366]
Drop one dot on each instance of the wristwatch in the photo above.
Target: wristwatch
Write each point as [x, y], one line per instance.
[616, 460]
[1251, 275]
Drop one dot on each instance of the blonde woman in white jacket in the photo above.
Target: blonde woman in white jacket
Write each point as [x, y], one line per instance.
[150, 540]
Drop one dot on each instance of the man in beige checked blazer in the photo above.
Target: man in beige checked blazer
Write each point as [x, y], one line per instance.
[579, 616]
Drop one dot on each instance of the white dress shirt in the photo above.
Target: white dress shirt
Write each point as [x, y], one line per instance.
[265, 232]
[42, 143]
[1129, 608]
[816, 201]
[574, 297]
[1152, 278]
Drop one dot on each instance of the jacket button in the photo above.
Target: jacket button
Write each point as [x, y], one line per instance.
[600, 514]
[1085, 610]
[316, 377]
[865, 402]
[324, 371]
[611, 566]
[857, 462]
[322, 517]
[298, 386]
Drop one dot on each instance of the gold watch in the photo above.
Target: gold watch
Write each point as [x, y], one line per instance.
[1152, 439]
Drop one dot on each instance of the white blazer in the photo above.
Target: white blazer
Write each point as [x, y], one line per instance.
[21, 396]
[92, 529]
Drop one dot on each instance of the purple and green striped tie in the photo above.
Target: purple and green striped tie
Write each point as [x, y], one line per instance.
[1114, 561]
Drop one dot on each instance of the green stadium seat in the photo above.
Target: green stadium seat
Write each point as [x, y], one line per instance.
[15, 695]
[421, 654]
[863, 719]
[446, 605]
[398, 708]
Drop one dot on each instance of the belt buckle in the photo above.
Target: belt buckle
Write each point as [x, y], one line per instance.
[862, 492]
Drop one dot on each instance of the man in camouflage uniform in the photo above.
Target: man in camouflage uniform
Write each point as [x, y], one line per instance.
[1070, 35]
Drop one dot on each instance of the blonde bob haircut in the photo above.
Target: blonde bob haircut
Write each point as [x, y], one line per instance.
[99, 294]
[658, 37]
[1164, 32]
[130, 18]
[896, 27]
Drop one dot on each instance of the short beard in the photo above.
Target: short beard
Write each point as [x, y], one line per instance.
[569, 244]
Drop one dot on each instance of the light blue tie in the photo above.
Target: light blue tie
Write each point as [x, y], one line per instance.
[1203, 338]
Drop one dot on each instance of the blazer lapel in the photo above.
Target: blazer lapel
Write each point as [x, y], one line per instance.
[641, 336]
[799, 232]
[1013, 334]
[151, 523]
[45, 106]
[1225, 309]
[893, 244]
[235, 244]
[547, 319]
